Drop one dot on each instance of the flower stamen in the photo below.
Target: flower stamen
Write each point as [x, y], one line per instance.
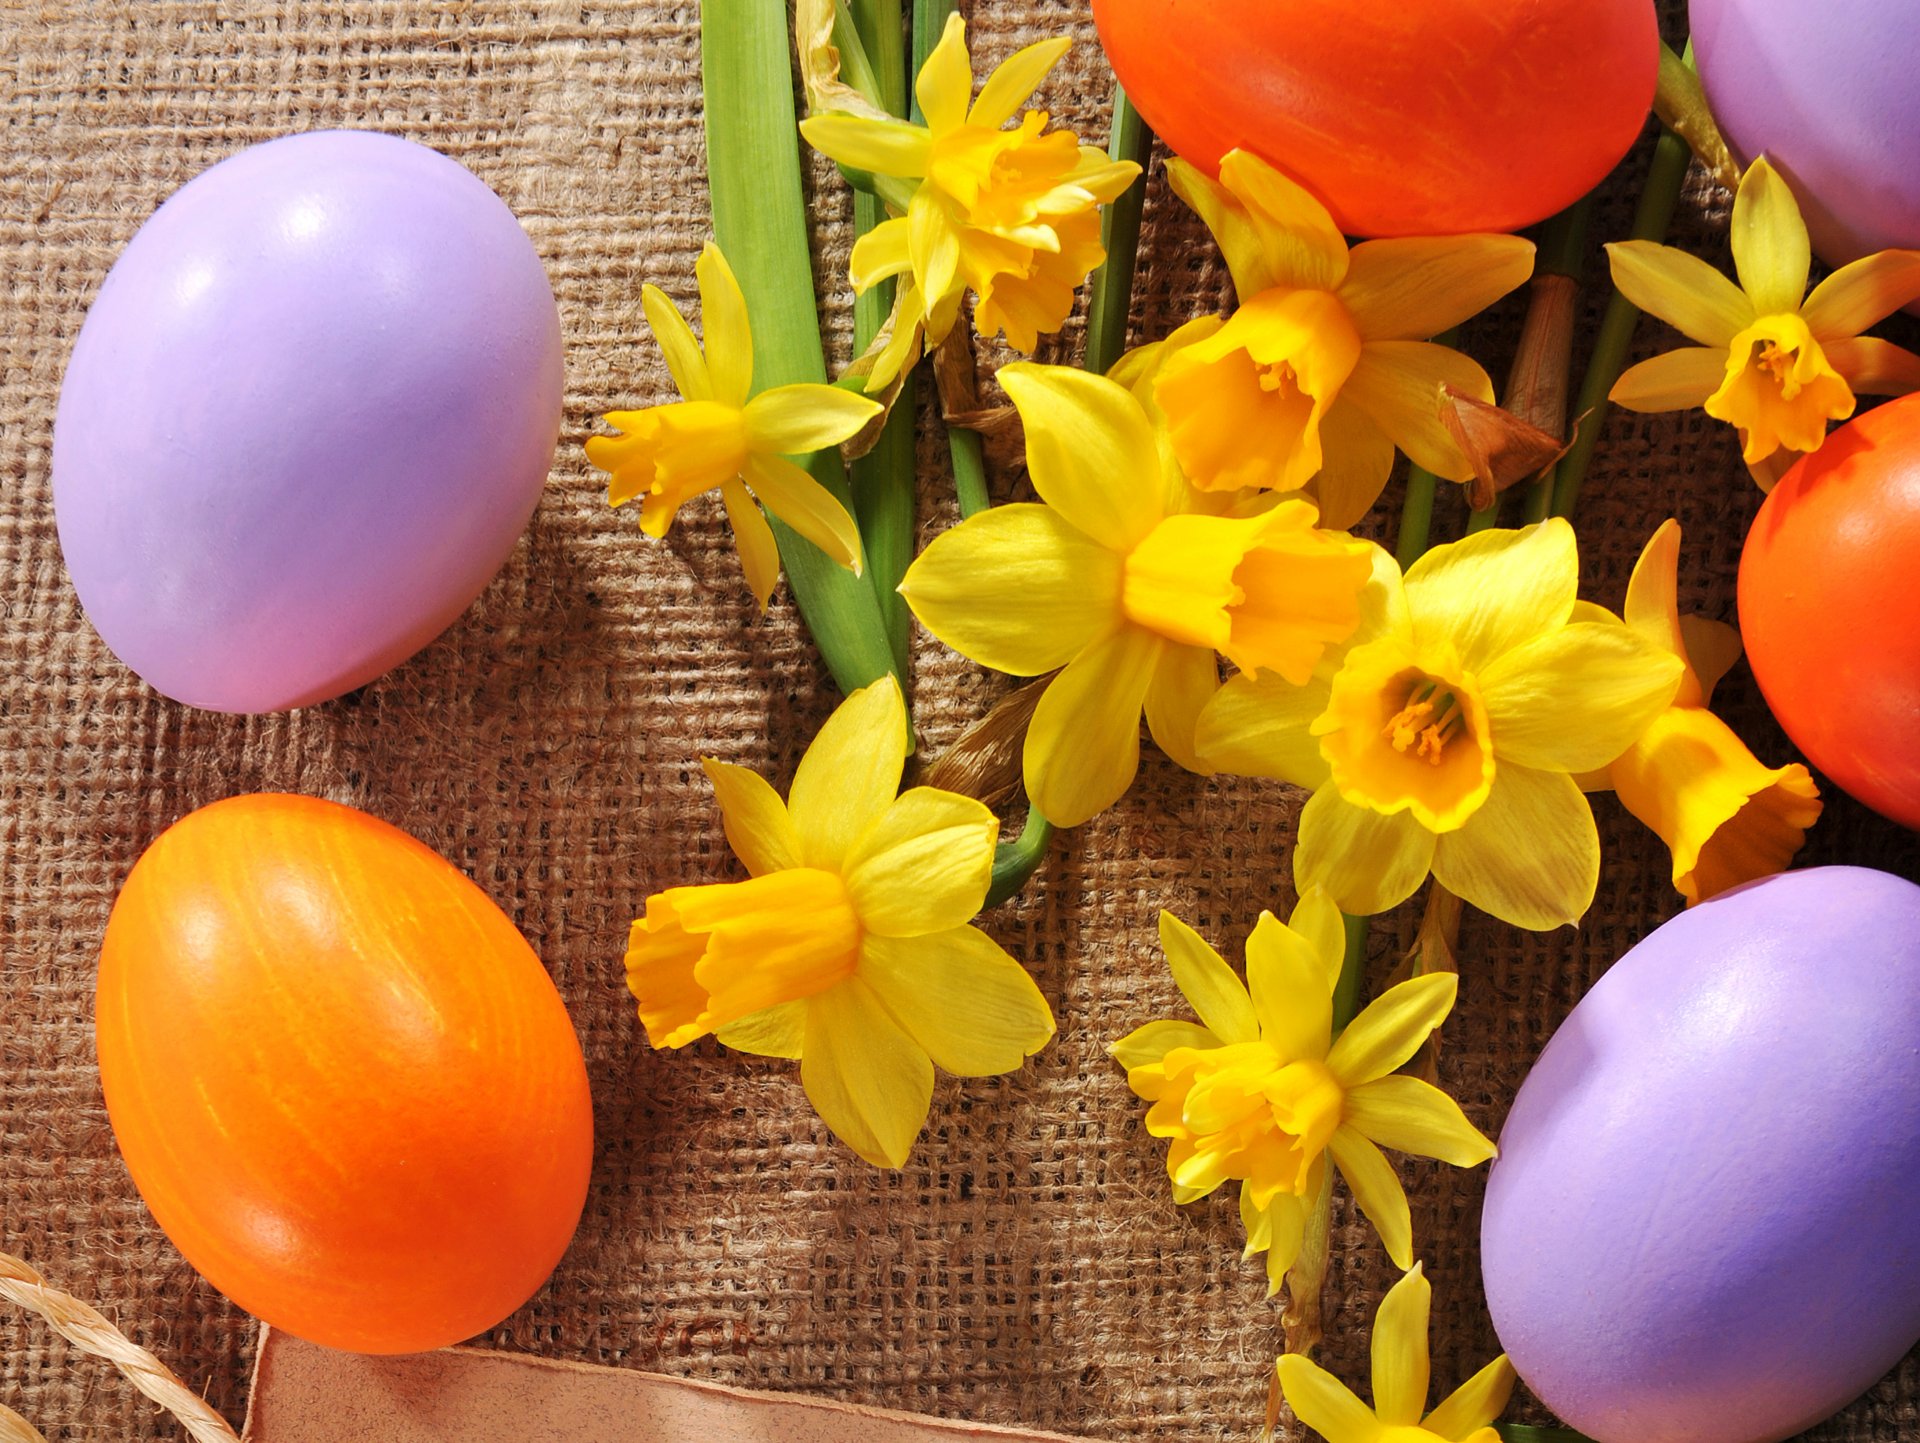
[1428, 721]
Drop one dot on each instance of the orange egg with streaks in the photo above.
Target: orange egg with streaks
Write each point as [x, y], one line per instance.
[341, 1079]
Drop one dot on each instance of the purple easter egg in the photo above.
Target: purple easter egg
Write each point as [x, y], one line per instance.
[1826, 91]
[308, 416]
[1701, 1227]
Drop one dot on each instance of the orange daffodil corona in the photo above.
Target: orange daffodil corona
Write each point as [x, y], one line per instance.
[849, 947]
[1726, 818]
[1443, 737]
[1401, 1379]
[1772, 361]
[1326, 366]
[722, 435]
[1128, 580]
[1260, 1090]
[1012, 215]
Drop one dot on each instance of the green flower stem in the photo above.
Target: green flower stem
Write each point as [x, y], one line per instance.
[760, 222]
[969, 470]
[1484, 518]
[929, 20]
[1120, 236]
[1528, 1433]
[1015, 862]
[1614, 340]
[881, 25]
[1416, 512]
[1353, 969]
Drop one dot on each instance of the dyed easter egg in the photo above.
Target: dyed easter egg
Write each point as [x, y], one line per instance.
[341, 1079]
[1830, 613]
[1427, 119]
[1701, 1227]
[308, 416]
[1825, 91]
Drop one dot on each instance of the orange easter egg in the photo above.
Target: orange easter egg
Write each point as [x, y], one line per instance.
[1434, 118]
[340, 1077]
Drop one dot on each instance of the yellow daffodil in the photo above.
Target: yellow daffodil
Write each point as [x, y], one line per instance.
[1774, 362]
[1012, 215]
[1326, 367]
[1260, 1089]
[1443, 737]
[717, 436]
[849, 947]
[1401, 1378]
[1122, 581]
[1726, 818]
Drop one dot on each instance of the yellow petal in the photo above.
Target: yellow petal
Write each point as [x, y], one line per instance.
[1016, 588]
[1400, 1366]
[807, 506]
[780, 1031]
[1151, 1043]
[1726, 818]
[1392, 1028]
[1366, 862]
[1529, 856]
[1183, 684]
[935, 247]
[1861, 294]
[1324, 1403]
[1356, 458]
[850, 773]
[1574, 699]
[1653, 593]
[1302, 244]
[1231, 225]
[1770, 247]
[907, 343]
[684, 361]
[885, 147]
[1412, 1116]
[759, 552]
[1397, 383]
[1410, 288]
[758, 827]
[1370, 1177]
[723, 318]
[1317, 918]
[1083, 746]
[1712, 647]
[1285, 1231]
[1258, 727]
[1779, 390]
[1475, 1403]
[1677, 381]
[1090, 450]
[1217, 997]
[881, 253]
[1014, 80]
[1873, 367]
[870, 1082]
[1291, 995]
[958, 994]
[924, 866]
[806, 417]
[1682, 290]
[1493, 590]
[661, 959]
[945, 83]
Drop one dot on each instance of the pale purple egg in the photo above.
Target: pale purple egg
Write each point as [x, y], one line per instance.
[1827, 90]
[1702, 1226]
[308, 416]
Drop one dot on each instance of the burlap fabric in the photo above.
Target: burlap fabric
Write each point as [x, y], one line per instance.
[1028, 1265]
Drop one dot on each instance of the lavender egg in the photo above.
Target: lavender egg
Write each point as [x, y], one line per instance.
[307, 419]
[1826, 90]
[1701, 1227]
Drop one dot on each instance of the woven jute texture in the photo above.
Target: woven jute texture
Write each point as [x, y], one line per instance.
[1027, 1265]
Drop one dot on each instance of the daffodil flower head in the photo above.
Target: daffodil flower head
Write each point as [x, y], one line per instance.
[1126, 582]
[849, 947]
[1012, 214]
[1444, 736]
[722, 435]
[1773, 362]
[1401, 1379]
[1325, 367]
[1260, 1090]
[1726, 818]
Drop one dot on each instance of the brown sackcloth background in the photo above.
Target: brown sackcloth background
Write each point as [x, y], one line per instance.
[1028, 1265]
